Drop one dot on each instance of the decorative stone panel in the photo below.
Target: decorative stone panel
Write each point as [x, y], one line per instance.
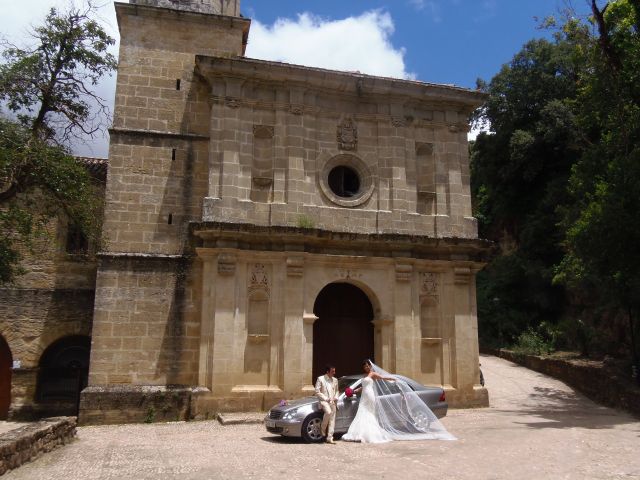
[295, 266]
[258, 281]
[226, 264]
[403, 272]
[461, 275]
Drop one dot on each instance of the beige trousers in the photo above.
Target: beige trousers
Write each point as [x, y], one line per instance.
[329, 419]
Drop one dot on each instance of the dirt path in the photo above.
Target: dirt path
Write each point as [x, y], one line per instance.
[536, 428]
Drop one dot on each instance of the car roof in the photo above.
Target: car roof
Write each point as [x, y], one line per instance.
[415, 385]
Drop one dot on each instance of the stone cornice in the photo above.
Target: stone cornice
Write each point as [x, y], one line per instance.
[154, 133]
[344, 83]
[143, 262]
[181, 15]
[294, 239]
[321, 111]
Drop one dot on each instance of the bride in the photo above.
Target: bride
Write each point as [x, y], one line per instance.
[391, 411]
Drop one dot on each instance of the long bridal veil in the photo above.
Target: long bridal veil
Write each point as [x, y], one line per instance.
[401, 412]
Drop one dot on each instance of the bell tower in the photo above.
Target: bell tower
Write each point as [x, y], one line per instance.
[230, 8]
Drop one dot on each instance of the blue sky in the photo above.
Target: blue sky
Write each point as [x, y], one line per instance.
[444, 41]
[437, 41]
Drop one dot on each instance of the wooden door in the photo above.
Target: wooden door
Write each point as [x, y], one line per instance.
[5, 379]
[343, 333]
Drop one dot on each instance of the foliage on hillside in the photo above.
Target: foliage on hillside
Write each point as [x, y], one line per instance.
[556, 183]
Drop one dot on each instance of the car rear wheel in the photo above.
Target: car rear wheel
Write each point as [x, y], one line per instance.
[312, 428]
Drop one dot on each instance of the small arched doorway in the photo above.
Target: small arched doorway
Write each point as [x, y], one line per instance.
[343, 333]
[6, 361]
[63, 373]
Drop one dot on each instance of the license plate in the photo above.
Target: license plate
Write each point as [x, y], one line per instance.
[270, 424]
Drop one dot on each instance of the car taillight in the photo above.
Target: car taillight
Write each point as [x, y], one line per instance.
[442, 399]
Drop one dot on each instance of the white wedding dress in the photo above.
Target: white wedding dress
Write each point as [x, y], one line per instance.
[393, 411]
[365, 427]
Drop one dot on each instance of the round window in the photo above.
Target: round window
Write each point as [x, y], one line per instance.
[344, 181]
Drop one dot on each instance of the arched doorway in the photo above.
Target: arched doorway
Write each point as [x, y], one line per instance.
[63, 373]
[6, 362]
[343, 333]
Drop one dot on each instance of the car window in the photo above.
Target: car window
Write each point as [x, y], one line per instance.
[345, 382]
[389, 387]
[413, 385]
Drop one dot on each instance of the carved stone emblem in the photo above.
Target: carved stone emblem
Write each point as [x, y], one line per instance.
[347, 135]
[398, 122]
[428, 283]
[232, 102]
[258, 281]
[347, 273]
[296, 109]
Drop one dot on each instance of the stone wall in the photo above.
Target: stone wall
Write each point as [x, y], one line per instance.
[30, 321]
[103, 405]
[596, 384]
[29, 442]
[278, 131]
[147, 322]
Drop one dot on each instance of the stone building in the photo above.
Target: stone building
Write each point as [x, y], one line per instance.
[46, 319]
[263, 219]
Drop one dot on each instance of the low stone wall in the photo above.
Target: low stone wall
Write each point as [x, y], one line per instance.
[27, 443]
[597, 384]
[113, 404]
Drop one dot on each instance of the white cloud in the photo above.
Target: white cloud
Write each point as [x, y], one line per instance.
[359, 43]
[431, 6]
[19, 17]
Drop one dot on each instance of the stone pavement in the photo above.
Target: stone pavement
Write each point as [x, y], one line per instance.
[536, 428]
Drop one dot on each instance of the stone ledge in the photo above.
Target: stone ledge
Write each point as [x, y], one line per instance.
[117, 404]
[597, 385]
[29, 442]
[240, 418]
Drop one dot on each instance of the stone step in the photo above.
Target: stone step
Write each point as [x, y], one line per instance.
[240, 418]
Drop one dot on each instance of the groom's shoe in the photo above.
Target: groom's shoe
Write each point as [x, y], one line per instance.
[331, 441]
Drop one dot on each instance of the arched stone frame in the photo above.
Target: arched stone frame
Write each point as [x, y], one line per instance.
[80, 342]
[6, 364]
[364, 166]
[382, 320]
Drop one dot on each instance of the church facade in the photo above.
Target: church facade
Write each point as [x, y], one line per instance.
[263, 219]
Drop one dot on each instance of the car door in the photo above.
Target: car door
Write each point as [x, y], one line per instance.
[347, 409]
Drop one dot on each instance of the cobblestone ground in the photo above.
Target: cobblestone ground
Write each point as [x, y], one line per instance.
[536, 428]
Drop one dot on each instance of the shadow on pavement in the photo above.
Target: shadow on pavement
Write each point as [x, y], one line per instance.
[283, 440]
[561, 409]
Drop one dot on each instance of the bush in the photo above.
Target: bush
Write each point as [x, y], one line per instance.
[532, 342]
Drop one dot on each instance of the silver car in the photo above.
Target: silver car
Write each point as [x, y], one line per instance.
[303, 417]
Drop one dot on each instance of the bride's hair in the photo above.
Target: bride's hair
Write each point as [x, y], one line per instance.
[366, 362]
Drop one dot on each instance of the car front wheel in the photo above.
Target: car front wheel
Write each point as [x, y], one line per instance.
[312, 428]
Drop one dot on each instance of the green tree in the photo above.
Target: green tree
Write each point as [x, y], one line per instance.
[48, 88]
[519, 174]
[603, 222]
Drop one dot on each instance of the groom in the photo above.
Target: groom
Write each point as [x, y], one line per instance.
[327, 392]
